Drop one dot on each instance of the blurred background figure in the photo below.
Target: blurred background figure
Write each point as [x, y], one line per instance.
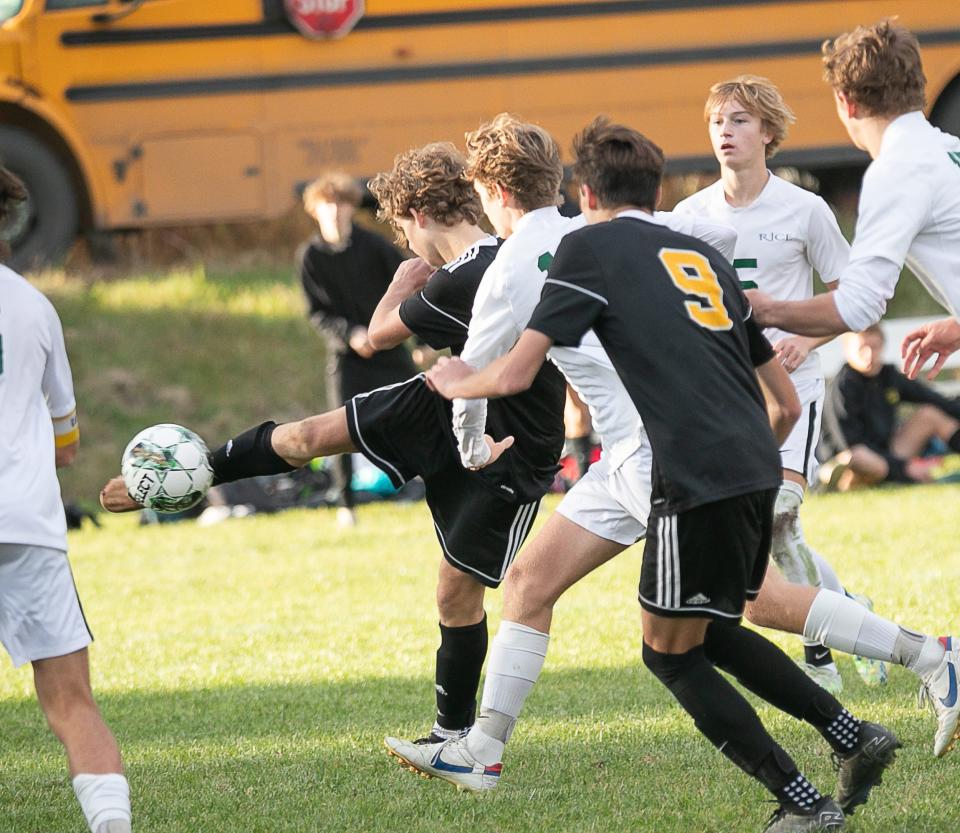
[344, 271]
[862, 432]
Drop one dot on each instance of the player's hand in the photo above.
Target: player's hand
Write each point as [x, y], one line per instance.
[496, 450]
[114, 497]
[762, 305]
[444, 376]
[360, 344]
[412, 276]
[792, 352]
[940, 339]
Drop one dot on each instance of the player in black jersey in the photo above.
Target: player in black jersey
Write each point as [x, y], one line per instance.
[481, 517]
[670, 314]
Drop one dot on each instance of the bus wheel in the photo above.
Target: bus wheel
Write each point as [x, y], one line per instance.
[41, 229]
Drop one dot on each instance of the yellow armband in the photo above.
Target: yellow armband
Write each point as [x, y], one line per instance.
[66, 429]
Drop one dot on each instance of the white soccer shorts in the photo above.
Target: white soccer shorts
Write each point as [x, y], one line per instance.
[40, 613]
[798, 452]
[614, 505]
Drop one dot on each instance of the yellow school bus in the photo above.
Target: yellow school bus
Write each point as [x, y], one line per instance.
[124, 114]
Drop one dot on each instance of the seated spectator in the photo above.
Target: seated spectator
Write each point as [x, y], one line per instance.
[860, 420]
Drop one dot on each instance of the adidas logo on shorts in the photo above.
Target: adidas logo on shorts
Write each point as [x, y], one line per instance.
[698, 599]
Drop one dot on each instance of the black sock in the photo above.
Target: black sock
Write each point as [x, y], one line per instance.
[797, 792]
[722, 714]
[954, 441]
[459, 660]
[769, 673]
[249, 454]
[817, 655]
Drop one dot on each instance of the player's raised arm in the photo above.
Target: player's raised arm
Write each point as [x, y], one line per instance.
[386, 328]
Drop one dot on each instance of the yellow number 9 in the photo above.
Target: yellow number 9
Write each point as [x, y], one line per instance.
[692, 274]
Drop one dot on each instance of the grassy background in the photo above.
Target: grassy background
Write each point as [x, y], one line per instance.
[251, 670]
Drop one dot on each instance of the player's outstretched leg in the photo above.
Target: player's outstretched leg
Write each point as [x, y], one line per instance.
[848, 626]
[862, 751]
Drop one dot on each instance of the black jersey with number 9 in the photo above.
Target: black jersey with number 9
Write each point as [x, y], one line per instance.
[670, 313]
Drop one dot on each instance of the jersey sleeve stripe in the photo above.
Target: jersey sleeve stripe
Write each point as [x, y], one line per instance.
[600, 298]
[443, 312]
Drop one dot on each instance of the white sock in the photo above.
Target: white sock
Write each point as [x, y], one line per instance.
[103, 798]
[828, 578]
[790, 552]
[837, 621]
[515, 661]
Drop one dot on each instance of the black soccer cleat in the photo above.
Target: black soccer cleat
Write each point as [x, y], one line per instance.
[823, 817]
[862, 769]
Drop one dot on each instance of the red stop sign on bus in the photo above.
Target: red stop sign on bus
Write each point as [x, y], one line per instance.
[324, 18]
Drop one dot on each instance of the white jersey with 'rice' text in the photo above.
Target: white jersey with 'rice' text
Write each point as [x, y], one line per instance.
[782, 236]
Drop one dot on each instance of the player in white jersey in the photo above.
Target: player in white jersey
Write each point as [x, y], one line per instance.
[41, 621]
[784, 233]
[909, 208]
[909, 213]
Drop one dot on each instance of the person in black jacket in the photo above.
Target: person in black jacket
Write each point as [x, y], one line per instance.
[344, 271]
[860, 419]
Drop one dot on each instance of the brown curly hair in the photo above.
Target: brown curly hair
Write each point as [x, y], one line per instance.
[878, 68]
[12, 192]
[430, 179]
[522, 158]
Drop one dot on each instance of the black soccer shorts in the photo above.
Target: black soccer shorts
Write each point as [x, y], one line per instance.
[710, 560]
[405, 430]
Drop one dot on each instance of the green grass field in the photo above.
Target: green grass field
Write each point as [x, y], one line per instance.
[250, 671]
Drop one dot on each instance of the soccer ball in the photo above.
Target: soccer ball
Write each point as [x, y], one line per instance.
[166, 468]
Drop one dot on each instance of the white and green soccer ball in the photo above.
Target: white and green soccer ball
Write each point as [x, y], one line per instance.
[166, 468]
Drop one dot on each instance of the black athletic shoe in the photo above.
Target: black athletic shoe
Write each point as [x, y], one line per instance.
[824, 817]
[437, 737]
[431, 738]
[860, 771]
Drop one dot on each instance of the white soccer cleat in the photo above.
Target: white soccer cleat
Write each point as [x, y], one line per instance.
[449, 761]
[939, 689]
[825, 676]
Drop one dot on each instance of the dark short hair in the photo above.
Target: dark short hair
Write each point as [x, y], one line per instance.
[619, 164]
